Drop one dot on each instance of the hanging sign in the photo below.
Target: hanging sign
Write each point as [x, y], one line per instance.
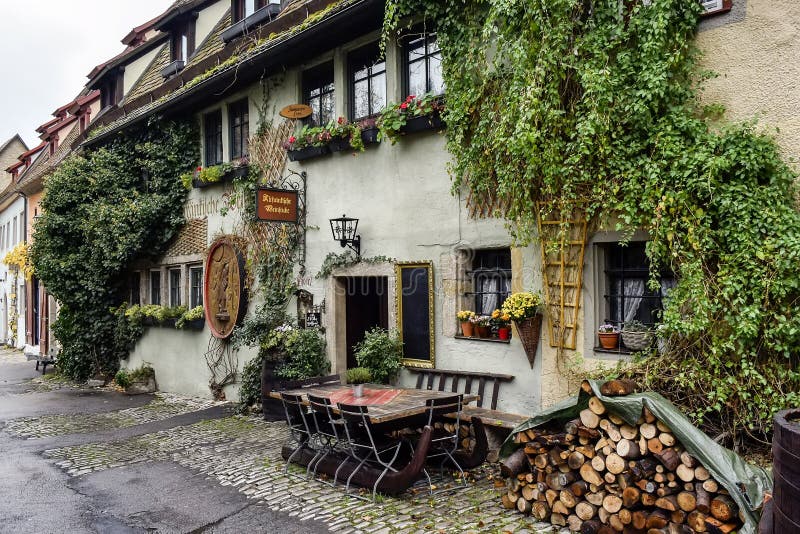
[296, 111]
[224, 295]
[276, 205]
[313, 319]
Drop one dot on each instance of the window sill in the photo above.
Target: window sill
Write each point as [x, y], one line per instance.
[485, 339]
[265, 14]
[620, 351]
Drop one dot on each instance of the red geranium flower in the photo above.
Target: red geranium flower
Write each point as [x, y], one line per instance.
[404, 105]
[199, 169]
[292, 139]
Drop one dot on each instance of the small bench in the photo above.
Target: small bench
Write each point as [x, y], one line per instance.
[463, 382]
[40, 359]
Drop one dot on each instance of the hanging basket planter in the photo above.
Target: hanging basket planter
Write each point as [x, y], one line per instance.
[529, 332]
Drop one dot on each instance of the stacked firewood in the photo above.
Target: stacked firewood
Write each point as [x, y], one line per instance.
[599, 475]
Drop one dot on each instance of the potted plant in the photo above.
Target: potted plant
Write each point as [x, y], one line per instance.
[414, 114]
[609, 336]
[636, 335]
[503, 324]
[482, 324]
[344, 136]
[369, 131]
[523, 308]
[464, 317]
[311, 142]
[137, 381]
[358, 376]
[381, 352]
[193, 319]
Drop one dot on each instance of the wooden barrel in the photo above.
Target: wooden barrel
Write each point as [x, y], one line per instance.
[786, 472]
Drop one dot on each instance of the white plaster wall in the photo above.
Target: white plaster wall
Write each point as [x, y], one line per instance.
[15, 209]
[207, 19]
[135, 69]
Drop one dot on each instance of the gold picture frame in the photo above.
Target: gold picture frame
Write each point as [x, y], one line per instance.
[411, 303]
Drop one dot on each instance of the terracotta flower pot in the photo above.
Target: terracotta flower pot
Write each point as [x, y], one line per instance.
[503, 332]
[608, 340]
[483, 331]
[467, 329]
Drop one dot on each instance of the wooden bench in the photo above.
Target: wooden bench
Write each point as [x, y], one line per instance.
[464, 382]
[44, 361]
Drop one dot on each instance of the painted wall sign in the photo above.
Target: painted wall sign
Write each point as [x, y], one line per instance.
[276, 205]
[296, 111]
[224, 294]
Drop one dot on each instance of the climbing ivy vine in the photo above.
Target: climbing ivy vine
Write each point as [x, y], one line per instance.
[102, 211]
[595, 104]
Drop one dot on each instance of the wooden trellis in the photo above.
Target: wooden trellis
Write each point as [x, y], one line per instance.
[563, 242]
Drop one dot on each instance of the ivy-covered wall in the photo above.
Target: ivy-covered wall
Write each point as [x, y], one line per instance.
[102, 211]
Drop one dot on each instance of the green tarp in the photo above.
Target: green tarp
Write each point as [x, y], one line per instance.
[745, 482]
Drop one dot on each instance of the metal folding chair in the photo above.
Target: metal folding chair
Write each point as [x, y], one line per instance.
[365, 444]
[330, 431]
[444, 443]
[301, 426]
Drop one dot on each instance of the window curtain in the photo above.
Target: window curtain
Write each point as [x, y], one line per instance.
[628, 307]
[492, 289]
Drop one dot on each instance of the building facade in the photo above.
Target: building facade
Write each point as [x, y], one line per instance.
[232, 66]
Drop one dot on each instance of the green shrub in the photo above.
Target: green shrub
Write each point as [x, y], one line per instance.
[305, 351]
[250, 382]
[359, 375]
[142, 373]
[191, 315]
[122, 379]
[381, 352]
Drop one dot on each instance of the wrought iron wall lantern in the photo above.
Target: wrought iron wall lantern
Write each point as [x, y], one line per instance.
[344, 231]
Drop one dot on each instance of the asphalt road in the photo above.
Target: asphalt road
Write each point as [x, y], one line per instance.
[37, 497]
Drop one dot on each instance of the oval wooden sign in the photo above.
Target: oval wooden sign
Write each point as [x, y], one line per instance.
[296, 111]
[224, 296]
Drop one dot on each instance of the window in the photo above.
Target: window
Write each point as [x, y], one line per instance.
[175, 287]
[212, 134]
[135, 288]
[491, 279]
[14, 233]
[195, 286]
[628, 296]
[318, 93]
[241, 9]
[183, 40]
[239, 123]
[155, 287]
[367, 81]
[423, 62]
[111, 89]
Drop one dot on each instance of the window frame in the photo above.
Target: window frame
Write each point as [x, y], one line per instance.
[174, 286]
[609, 273]
[476, 273]
[196, 294]
[219, 150]
[182, 44]
[421, 33]
[155, 296]
[135, 289]
[239, 9]
[355, 59]
[239, 148]
[316, 78]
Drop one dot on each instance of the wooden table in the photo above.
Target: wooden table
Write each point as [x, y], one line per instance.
[408, 403]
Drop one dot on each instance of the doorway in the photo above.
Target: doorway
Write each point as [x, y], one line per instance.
[366, 306]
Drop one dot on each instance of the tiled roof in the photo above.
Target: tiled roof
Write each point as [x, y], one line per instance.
[46, 162]
[231, 63]
[192, 239]
[7, 143]
[151, 77]
[213, 43]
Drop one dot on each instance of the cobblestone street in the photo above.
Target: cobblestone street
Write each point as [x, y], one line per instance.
[243, 453]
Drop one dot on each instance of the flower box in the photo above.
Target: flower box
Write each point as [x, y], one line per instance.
[370, 136]
[194, 324]
[307, 153]
[423, 123]
[339, 144]
[168, 323]
[231, 175]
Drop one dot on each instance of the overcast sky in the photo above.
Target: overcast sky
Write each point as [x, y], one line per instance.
[48, 47]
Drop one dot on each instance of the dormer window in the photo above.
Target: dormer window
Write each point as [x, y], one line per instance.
[183, 41]
[247, 15]
[241, 9]
[111, 89]
[53, 144]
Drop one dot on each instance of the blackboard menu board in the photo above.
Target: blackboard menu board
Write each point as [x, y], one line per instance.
[415, 313]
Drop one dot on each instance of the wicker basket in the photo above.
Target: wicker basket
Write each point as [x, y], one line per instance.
[529, 332]
[637, 341]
